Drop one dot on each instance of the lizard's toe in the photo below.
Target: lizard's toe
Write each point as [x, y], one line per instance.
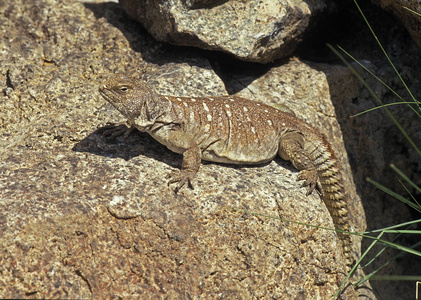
[113, 130]
[182, 178]
[311, 179]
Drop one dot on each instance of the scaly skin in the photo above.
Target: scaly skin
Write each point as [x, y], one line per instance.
[233, 130]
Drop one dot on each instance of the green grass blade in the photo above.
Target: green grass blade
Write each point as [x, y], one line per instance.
[369, 276]
[413, 11]
[396, 169]
[373, 243]
[384, 51]
[382, 82]
[414, 222]
[377, 99]
[385, 105]
[400, 247]
[393, 194]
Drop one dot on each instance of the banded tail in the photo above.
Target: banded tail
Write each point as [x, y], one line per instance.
[333, 193]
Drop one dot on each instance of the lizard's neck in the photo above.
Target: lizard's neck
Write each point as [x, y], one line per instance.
[154, 110]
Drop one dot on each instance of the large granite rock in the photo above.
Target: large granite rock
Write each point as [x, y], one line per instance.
[253, 30]
[82, 216]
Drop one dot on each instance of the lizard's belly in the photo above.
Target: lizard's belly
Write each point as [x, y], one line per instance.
[239, 154]
[220, 148]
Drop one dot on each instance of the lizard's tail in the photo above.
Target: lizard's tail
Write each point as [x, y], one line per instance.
[333, 195]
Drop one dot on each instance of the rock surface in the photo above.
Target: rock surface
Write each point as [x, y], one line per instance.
[82, 216]
[401, 10]
[87, 217]
[253, 30]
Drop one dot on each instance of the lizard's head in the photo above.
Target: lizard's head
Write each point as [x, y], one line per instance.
[126, 93]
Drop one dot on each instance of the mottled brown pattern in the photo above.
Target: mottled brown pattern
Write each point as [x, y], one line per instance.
[232, 130]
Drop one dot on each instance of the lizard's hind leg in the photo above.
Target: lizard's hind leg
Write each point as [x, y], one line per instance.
[291, 147]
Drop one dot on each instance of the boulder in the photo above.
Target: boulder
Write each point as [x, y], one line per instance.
[252, 30]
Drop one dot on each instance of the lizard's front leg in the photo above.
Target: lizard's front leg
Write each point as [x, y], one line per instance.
[291, 147]
[192, 158]
[114, 130]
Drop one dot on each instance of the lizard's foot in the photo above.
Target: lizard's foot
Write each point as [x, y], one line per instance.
[113, 130]
[182, 177]
[311, 179]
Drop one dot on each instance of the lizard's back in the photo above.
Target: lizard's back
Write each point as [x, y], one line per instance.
[230, 129]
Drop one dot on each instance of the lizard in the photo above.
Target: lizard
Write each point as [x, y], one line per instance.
[234, 130]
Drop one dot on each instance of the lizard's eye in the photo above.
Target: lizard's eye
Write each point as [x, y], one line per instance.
[124, 89]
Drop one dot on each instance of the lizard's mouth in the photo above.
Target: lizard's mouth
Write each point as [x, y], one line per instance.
[105, 93]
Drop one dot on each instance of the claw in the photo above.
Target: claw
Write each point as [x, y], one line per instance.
[182, 178]
[113, 130]
[311, 179]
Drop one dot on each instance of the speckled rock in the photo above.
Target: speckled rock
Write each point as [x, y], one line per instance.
[193, 4]
[83, 216]
[253, 30]
[87, 217]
